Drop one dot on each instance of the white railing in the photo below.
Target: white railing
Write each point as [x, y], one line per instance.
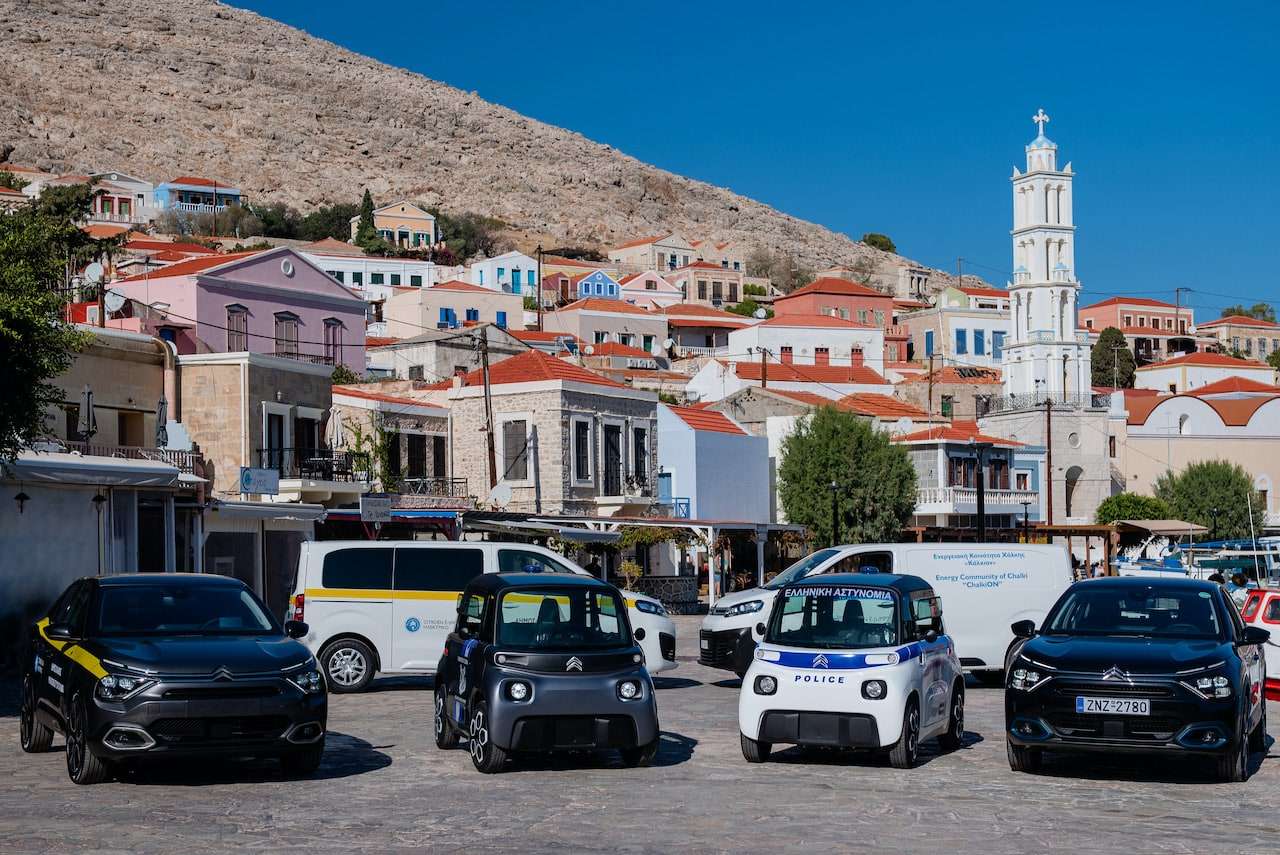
[689, 350]
[953, 496]
[197, 208]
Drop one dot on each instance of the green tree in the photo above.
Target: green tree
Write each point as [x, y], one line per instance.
[469, 235]
[879, 241]
[278, 220]
[1113, 362]
[752, 290]
[747, 308]
[343, 376]
[876, 493]
[365, 231]
[36, 345]
[1132, 506]
[1213, 493]
[1261, 311]
[332, 221]
[1273, 359]
[13, 182]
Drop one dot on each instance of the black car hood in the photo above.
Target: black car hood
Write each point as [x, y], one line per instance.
[204, 654]
[1137, 655]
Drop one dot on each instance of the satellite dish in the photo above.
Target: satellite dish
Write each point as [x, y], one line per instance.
[113, 301]
[656, 350]
[93, 273]
[499, 496]
[760, 314]
[589, 349]
[669, 343]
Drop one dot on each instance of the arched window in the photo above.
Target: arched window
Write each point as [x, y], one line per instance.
[1062, 316]
[1048, 191]
[1071, 483]
[1182, 424]
[1027, 329]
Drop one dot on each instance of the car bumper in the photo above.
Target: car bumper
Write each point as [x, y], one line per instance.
[578, 712]
[178, 719]
[831, 729]
[727, 649]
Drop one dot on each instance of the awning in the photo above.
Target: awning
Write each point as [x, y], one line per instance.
[397, 514]
[578, 535]
[60, 467]
[269, 510]
[1168, 528]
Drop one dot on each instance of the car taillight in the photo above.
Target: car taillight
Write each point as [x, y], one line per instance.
[299, 605]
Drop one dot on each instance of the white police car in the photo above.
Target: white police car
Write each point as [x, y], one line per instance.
[851, 660]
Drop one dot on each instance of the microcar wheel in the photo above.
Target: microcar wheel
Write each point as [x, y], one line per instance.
[953, 737]
[1023, 759]
[640, 756]
[446, 736]
[348, 665]
[33, 736]
[485, 756]
[904, 753]
[755, 752]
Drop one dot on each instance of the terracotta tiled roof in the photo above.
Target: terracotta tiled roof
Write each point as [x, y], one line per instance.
[146, 244]
[709, 420]
[614, 348]
[957, 431]
[190, 266]
[197, 181]
[786, 372]
[1129, 301]
[808, 398]
[357, 392]
[953, 374]
[1236, 385]
[14, 194]
[832, 285]
[644, 241]
[97, 231]
[459, 285]
[601, 304]
[982, 292]
[169, 255]
[379, 340]
[1240, 321]
[800, 320]
[1234, 412]
[1205, 359]
[910, 304]
[531, 367]
[884, 406]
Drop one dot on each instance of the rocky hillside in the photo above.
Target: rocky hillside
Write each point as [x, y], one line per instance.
[168, 87]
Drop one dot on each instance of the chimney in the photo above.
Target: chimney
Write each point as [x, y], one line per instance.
[855, 357]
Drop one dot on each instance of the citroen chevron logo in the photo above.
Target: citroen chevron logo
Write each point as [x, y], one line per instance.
[223, 673]
[1114, 673]
[820, 661]
[574, 664]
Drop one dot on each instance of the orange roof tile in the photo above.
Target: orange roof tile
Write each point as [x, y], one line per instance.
[1205, 359]
[169, 255]
[1129, 301]
[1239, 320]
[614, 348]
[16, 194]
[379, 340]
[642, 241]
[457, 285]
[802, 320]
[531, 367]
[197, 181]
[833, 285]
[602, 304]
[1234, 412]
[356, 392]
[973, 291]
[789, 372]
[809, 398]
[190, 266]
[953, 374]
[709, 420]
[957, 431]
[887, 406]
[98, 231]
[1237, 385]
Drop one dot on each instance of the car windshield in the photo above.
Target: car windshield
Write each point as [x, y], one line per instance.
[1137, 610]
[561, 618]
[162, 609]
[800, 569]
[835, 616]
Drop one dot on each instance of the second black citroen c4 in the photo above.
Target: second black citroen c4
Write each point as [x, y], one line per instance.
[1138, 664]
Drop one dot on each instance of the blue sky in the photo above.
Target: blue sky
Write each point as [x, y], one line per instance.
[904, 117]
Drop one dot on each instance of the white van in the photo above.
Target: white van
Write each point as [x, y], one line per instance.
[386, 606]
[986, 586]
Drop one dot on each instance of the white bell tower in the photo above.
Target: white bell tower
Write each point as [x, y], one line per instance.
[1044, 353]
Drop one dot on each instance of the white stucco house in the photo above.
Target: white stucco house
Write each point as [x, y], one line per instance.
[718, 379]
[713, 462]
[812, 340]
[511, 273]
[1193, 371]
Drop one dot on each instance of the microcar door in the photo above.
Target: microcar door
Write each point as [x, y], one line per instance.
[428, 582]
[925, 614]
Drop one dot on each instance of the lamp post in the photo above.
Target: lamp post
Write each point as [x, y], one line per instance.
[981, 449]
[835, 513]
[1213, 530]
[1026, 526]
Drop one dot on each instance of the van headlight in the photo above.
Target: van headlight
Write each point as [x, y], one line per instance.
[119, 687]
[749, 607]
[309, 681]
[650, 608]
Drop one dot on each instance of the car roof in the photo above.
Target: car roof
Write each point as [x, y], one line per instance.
[1177, 583]
[166, 579]
[901, 582]
[498, 581]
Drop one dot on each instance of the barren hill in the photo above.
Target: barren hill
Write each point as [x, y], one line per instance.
[162, 88]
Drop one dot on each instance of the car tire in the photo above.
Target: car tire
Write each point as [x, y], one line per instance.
[906, 750]
[348, 665]
[83, 766]
[1233, 766]
[33, 736]
[953, 737]
[304, 763]
[1258, 736]
[640, 756]
[755, 752]
[1023, 759]
[485, 755]
[446, 736]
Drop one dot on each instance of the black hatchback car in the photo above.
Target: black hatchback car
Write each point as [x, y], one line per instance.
[543, 662]
[131, 667]
[1138, 664]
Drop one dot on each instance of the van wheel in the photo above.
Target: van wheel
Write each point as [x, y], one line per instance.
[755, 752]
[1023, 759]
[32, 735]
[953, 737]
[906, 750]
[446, 736]
[348, 665]
[485, 756]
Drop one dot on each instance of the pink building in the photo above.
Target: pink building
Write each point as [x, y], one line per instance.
[1154, 329]
[273, 302]
[852, 301]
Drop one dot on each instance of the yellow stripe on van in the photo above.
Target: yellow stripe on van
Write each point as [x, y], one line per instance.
[320, 595]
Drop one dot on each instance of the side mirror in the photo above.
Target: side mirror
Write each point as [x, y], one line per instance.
[1256, 635]
[931, 636]
[639, 633]
[296, 629]
[1024, 629]
[464, 631]
[761, 629]
[59, 632]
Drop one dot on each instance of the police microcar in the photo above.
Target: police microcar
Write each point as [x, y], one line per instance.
[852, 660]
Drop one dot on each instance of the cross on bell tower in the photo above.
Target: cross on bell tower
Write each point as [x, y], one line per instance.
[1041, 118]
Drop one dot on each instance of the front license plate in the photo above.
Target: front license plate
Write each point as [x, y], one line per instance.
[1114, 706]
[706, 644]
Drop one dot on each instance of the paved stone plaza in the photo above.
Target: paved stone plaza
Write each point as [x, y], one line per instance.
[384, 787]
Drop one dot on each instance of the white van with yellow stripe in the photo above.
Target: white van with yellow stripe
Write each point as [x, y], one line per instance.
[386, 606]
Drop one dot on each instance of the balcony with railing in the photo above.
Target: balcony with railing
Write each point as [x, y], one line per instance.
[1059, 401]
[438, 486]
[313, 358]
[317, 464]
[199, 207]
[941, 500]
[185, 461]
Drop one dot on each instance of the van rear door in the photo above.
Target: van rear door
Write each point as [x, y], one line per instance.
[428, 582]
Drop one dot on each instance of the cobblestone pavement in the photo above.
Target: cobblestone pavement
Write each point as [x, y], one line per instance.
[383, 787]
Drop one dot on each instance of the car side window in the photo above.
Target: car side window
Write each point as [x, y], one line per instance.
[1237, 623]
[471, 614]
[60, 606]
[924, 614]
[78, 609]
[1271, 614]
[863, 562]
[437, 569]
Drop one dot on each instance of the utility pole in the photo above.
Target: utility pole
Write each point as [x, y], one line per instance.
[537, 293]
[960, 272]
[1115, 364]
[980, 448]
[764, 369]
[931, 385]
[488, 408]
[1048, 458]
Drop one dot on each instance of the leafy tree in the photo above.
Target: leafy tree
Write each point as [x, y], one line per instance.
[470, 235]
[366, 233]
[581, 253]
[877, 483]
[36, 344]
[1213, 493]
[13, 182]
[1273, 359]
[1113, 362]
[332, 221]
[1132, 506]
[278, 220]
[343, 376]
[747, 308]
[752, 290]
[879, 241]
[1261, 311]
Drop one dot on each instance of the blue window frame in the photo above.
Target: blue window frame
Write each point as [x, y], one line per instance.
[528, 278]
[481, 276]
[997, 344]
[962, 341]
[979, 343]
[444, 317]
[502, 320]
[928, 342]
[502, 271]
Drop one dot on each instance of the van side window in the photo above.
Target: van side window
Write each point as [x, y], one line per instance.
[863, 562]
[527, 561]
[437, 569]
[365, 569]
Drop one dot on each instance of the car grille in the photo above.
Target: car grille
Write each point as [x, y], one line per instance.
[1115, 727]
[1070, 689]
[217, 692]
[667, 644]
[186, 731]
[719, 650]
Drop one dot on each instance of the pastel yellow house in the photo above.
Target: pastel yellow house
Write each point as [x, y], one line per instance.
[401, 224]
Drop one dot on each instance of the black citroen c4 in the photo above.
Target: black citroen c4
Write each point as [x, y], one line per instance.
[1137, 664]
[142, 666]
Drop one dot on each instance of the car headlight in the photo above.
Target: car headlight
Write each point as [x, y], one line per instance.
[874, 690]
[746, 608]
[1024, 679]
[119, 687]
[309, 681]
[650, 608]
[629, 690]
[518, 690]
[1213, 687]
[766, 685]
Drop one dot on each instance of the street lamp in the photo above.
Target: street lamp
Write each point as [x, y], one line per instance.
[981, 449]
[1026, 526]
[1213, 531]
[835, 513]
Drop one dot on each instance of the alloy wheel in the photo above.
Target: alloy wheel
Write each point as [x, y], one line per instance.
[957, 714]
[75, 739]
[478, 737]
[439, 722]
[26, 723]
[913, 733]
[347, 667]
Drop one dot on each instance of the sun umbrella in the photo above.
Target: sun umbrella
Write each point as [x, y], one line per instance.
[334, 436]
[162, 420]
[88, 424]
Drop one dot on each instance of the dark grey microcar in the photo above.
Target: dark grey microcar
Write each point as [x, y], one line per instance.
[540, 662]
